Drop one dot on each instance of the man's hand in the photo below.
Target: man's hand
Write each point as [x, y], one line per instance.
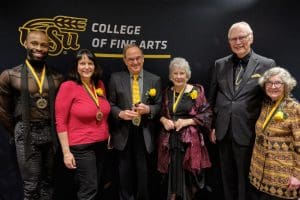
[142, 108]
[128, 114]
[212, 136]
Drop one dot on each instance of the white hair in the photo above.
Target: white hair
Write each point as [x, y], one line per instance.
[180, 63]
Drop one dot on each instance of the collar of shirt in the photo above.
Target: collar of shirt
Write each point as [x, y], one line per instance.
[140, 76]
[244, 61]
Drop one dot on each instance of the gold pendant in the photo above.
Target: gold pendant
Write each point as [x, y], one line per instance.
[136, 121]
[99, 116]
[41, 103]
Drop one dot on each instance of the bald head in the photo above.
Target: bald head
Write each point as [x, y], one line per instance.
[37, 45]
[34, 33]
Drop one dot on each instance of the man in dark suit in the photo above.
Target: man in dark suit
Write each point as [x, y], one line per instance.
[133, 122]
[236, 98]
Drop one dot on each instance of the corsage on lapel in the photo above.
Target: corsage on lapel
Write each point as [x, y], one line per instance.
[151, 93]
[99, 92]
[280, 116]
[193, 94]
[256, 76]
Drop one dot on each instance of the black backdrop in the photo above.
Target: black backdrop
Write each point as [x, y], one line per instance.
[196, 30]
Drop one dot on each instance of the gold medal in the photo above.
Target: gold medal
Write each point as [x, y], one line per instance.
[99, 116]
[136, 120]
[93, 95]
[41, 103]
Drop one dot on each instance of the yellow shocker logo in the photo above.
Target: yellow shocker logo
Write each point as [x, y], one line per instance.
[61, 30]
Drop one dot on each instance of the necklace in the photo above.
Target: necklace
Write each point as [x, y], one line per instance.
[93, 95]
[238, 78]
[41, 103]
[177, 98]
[272, 112]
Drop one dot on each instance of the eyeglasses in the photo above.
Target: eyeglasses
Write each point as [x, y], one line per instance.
[138, 59]
[240, 38]
[276, 84]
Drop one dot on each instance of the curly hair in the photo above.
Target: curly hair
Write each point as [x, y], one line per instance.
[289, 81]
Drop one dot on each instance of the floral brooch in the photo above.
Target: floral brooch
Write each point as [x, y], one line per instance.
[151, 92]
[99, 92]
[280, 116]
[193, 94]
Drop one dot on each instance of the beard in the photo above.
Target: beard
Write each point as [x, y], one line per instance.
[32, 57]
[36, 62]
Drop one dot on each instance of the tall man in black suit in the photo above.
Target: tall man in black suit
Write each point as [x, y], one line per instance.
[236, 100]
[133, 127]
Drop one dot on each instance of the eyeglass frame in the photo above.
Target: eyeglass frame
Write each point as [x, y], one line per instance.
[276, 84]
[240, 38]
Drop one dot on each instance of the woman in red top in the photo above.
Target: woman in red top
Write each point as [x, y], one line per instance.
[81, 121]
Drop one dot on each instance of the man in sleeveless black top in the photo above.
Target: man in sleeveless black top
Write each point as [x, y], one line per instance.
[27, 94]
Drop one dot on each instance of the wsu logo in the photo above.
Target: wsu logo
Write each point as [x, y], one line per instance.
[62, 32]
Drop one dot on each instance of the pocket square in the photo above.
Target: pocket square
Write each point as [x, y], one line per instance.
[256, 76]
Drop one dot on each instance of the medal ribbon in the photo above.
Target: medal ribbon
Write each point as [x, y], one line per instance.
[175, 102]
[93, 94]
[40, 82]
[270, 115]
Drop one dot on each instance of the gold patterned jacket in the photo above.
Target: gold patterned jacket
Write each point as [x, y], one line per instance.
[276, 152]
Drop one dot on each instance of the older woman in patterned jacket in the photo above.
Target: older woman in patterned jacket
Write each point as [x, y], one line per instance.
[275, 164]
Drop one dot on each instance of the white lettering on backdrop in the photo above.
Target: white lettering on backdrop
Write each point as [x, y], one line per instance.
[115, 36]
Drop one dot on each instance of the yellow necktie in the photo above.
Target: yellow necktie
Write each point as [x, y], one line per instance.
[136, 98]
[135, 90]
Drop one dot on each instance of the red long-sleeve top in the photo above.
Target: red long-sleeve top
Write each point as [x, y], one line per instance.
[76, 111]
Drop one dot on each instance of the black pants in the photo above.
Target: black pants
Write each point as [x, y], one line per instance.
[235, 163]
[37, 171]
[133, 168]
[89, 162]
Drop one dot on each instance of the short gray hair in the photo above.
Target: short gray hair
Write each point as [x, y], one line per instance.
[180, 63]
[243, 24]
[289, 81]
[131, 45]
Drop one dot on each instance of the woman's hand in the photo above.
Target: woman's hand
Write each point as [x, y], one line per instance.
[69, 160]
[294, 183]
[181, 123]
[109, 145]
[168, 124]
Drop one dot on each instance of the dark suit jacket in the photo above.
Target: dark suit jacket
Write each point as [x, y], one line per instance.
[120, 97]
[239, 108]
